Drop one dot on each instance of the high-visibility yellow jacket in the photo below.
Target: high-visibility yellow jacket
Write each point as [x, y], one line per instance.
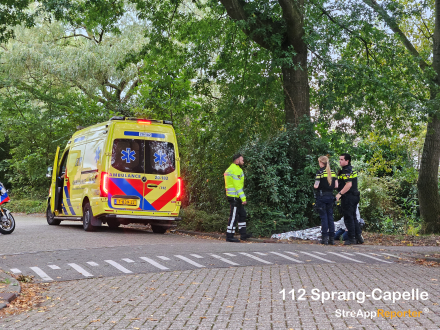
[234, 182]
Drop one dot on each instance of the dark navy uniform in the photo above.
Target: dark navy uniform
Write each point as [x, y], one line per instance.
[324, 203]
[349, 201]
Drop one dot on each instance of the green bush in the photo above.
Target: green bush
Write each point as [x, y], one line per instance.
[390, 204]
[27, 206]
[279, 177]
[198, 220]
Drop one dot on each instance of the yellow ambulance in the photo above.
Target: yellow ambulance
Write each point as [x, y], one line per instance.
[122, 171]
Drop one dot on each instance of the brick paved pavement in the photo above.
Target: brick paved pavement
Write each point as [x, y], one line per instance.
[234, 298]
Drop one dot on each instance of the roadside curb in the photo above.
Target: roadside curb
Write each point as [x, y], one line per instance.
[420, 257]
[223, 236]
[10, 288]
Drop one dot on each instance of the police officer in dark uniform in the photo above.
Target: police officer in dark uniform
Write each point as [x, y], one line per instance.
[325, 183]
[349, 196]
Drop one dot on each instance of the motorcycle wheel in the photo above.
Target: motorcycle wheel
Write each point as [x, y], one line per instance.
[7, 226]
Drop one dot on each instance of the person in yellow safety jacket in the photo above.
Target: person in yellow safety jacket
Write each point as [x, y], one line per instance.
[234, 183]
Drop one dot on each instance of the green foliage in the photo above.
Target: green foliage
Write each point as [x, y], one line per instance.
[13, 13]
[390, 204]
[279, 179]
[27, 205]
[198, 220]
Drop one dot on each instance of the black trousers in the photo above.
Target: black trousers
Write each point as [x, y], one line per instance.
[236, 215]
[349, 203]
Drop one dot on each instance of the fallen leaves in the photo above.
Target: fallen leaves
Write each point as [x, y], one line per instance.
[31, 297]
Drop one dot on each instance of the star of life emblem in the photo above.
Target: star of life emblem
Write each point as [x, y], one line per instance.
[160, 158]
[128, 155]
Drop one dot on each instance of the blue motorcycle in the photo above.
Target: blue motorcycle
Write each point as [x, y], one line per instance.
[7, 222]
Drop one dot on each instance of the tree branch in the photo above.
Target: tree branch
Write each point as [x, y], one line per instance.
[391, 22]
[235, 10]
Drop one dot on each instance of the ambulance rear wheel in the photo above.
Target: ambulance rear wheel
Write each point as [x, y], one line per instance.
[87, 218]
[50, 217]
[158, 229]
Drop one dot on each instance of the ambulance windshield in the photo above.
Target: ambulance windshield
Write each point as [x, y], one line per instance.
[143, 156]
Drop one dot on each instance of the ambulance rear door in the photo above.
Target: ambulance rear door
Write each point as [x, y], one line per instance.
[126, 168]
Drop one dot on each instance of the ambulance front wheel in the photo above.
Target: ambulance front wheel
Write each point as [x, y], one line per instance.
[50, 217]
[87, 218]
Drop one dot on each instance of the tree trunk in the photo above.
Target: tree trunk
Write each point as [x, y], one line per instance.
[296, 89]
[429, 198]
[428, 178]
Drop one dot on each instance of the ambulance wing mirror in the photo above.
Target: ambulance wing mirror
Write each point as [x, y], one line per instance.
[49, 172]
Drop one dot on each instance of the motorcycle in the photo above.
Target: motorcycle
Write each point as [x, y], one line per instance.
[7, 222]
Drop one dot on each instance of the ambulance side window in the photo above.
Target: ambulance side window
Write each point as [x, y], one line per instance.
[62, 168]
[128, 155]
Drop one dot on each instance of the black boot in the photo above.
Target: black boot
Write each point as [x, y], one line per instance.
[331, 241]
[324, 240]
[350, 242]
[230, 238]
[359, 239]
[243, 235]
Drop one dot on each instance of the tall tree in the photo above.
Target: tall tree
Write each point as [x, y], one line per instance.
[278, 26]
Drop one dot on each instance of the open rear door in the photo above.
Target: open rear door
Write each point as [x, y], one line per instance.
[54, 193]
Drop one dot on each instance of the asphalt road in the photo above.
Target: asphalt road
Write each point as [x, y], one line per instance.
[67, 252]
[134, 279]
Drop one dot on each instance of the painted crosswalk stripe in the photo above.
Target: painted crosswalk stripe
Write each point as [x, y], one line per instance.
[295, 254]
[391, 255]
[91, 263]
[118, 266]
[312, 255]
[255, 258]
[189, 261]
[54, 267]
[349, 254]
[225, 260]
[286, 257]
[196, 256]
[16, 270]
[368, 256]
[41, 273]
[323, 254]
[163, 258]
[374, 254]
[229, 254]
[261, 253]
[80, 270]
[154, 263]
[127, 260]
[345, 257]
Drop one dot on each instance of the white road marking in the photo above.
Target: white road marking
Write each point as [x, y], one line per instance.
[154, 263]
[374, 254]
[345, 257]
[286, 257]
[391, 255]
[196, 256]
[163, 258]
[295, 254]
[230, 254]
[128, 260]
[54, 267]
[80, 270]
[225, 260]
[118, 266]
[16, 270]
[323, 254]
[91, 263]
[261, 253]
[366, 255]
[255, 258]
[189, 261]
[349, 254]
[42, 274]
[312, 255]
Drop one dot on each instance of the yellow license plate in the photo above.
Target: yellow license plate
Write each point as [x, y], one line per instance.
[122, 201]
